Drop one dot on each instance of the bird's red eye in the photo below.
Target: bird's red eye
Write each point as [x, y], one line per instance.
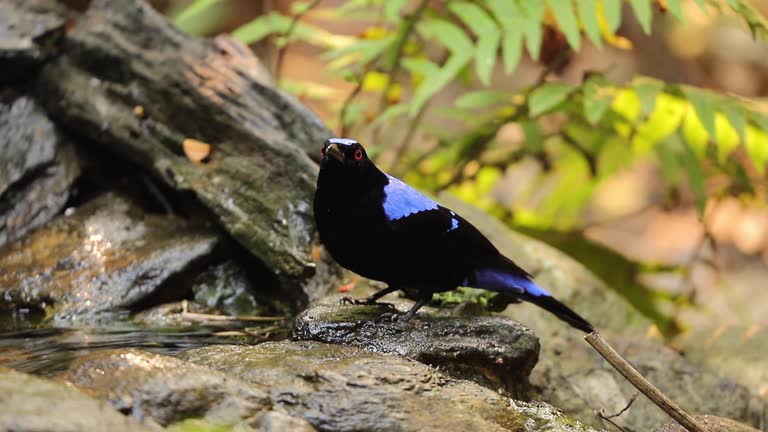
[322, 151]
[358, 154]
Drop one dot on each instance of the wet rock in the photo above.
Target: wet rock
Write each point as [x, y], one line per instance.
[495, 351]
[37, 168]
[32, 404]
[712, 423]
[338, 388]
[258, 179]
[229, 288]
[105, 256]
[145, 385]
[30, 31]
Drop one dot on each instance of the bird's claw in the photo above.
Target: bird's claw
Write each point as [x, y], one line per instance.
[349, 301]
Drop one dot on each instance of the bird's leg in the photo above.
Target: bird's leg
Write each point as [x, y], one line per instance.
[370, 300]
[395, 316]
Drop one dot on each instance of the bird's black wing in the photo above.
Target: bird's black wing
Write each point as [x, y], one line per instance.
[425, 234]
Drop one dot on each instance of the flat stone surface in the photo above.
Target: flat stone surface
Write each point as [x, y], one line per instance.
[32, 404]
[167, 390]
[107, 255]
[339, 388]
[37, 168]
[496, 351]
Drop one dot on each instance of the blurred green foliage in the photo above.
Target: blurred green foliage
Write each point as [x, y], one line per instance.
[579, 135]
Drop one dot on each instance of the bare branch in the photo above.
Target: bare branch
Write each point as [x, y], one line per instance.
[641, 383]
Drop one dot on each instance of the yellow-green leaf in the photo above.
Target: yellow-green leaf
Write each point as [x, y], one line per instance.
[704, 104]
[392, 9]
[696, 178]
[566, 19]
[642, 9]
[612, 12]
[648, 90]
[588, 14]
[757, 148]
[627, 104]
[477, 99]
[436, 82]
[488, 36]
[512, 49]
[735, 114]
[665, 151]
[727, 138]
[447, 34]
[676, 9]
[695, 135]
[532, 14]
[547, 96]
[597, 97]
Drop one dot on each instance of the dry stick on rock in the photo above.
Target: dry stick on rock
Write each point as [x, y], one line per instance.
[642, 384]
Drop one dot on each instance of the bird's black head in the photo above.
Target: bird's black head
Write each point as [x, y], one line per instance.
[345, 161]
[343, 153]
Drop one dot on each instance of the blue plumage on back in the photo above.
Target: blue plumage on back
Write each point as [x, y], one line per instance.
[401, 200]
[505, 281]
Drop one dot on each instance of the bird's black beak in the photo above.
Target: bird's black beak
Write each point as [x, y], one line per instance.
[335, 152]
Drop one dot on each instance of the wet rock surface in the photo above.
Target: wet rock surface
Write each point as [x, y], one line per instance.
[380, 392]
[105, 256]
[30, 31]
[495, 351]
[167, 390]
[37, 168]
[32, 404]
[229, 288]
[258, 179]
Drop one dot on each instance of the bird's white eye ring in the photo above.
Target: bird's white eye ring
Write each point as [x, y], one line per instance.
[358, 154]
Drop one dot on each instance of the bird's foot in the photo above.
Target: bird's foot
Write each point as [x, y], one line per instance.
[364, 302]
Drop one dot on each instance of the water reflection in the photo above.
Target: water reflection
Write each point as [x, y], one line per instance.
[26, 347]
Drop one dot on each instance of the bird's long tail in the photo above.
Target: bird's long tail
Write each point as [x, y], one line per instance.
[508, 278]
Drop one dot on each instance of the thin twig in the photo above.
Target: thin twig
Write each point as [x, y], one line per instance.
[192, 316]
[345, 106]
[405, 143]
[642, 384]
[589, 157]
[613, 423]
[632, 400]
[287, 34]
[601, 413]
[392, 69]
